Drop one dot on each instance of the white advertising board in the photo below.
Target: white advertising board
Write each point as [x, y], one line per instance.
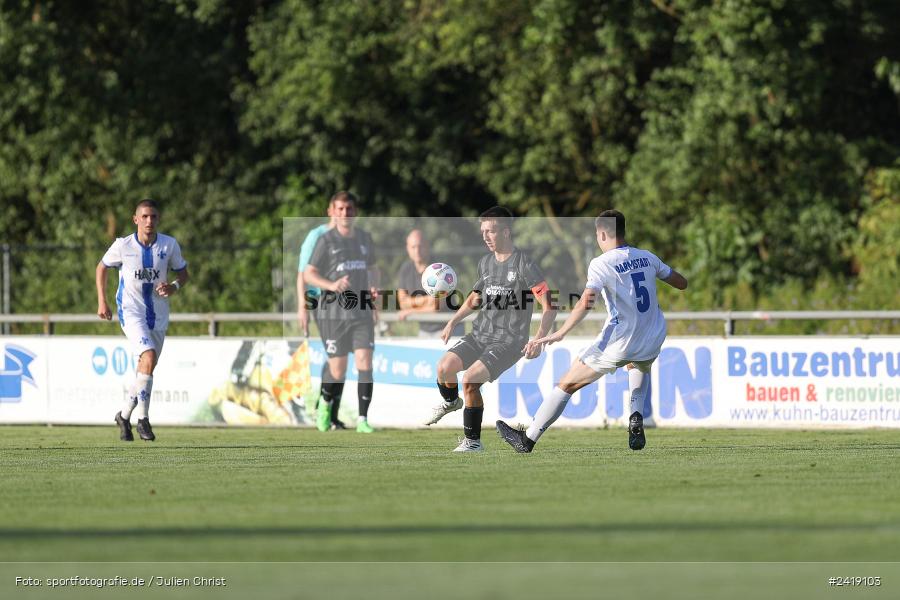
[696, 382]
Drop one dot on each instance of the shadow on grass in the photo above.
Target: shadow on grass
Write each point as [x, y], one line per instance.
[162, 448]
[700, 447]
[414, 530]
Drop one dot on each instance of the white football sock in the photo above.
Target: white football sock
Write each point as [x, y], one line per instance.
[638, 381]
[131, 401]
[548, 412]
[143, 387]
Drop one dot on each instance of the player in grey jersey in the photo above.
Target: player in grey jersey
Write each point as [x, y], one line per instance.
[508, 282]
[342, 265]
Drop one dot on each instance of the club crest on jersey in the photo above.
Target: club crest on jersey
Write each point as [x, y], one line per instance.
[363, 249]
[146, 274]
[162, 253]
[510, 275]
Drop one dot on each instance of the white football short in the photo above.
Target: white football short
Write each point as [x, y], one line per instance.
[604, 364]
[141, 338]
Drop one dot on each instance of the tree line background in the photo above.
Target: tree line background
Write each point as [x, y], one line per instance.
[754, 145]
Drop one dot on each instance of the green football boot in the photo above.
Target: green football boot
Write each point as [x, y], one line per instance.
[362, 426]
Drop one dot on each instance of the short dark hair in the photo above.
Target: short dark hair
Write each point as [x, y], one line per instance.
[605, 222]
[149, 203]
[503, 217]
[346, 197]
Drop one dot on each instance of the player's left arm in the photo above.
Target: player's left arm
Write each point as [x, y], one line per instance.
[182, 277]
[548, 316]
[374, 275]
[669, 275]
[677, 280]
[372, 270]
[169, 289]
[179, 265]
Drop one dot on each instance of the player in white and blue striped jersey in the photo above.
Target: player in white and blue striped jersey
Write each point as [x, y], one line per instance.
[144, 260]
[632, 336]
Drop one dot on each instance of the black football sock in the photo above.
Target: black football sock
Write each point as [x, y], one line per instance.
[364, 392]
[331, 394]
[336, 406]
[448, 393]
[472, 422]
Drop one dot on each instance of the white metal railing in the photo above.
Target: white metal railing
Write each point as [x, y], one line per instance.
[728, 318]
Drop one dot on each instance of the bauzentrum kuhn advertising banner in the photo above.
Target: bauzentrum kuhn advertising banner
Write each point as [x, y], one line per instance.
[696, 382]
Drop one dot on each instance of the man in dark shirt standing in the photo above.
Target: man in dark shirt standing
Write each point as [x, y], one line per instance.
[508, 282]
[343, 267]
[410, 295]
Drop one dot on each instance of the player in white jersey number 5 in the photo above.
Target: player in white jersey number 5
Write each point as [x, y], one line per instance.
[632, 335]
[144, 260]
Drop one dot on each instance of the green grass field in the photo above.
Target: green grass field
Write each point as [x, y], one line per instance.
[279, 495]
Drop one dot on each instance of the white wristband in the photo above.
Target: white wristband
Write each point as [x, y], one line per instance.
[176, 284]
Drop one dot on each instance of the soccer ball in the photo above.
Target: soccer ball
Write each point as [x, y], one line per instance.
[438, 280]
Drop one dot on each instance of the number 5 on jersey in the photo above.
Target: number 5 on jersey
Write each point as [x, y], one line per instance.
[643, 295]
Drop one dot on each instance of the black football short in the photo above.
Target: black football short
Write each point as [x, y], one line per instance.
[496, 356]
[340, 337]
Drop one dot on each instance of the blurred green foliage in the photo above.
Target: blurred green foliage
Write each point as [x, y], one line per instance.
[753, 144]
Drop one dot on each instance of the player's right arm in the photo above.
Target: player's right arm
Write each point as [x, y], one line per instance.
[102, 307]
[579, 312]
[306, 252]
[472, 302]
[302, 313]
[467, 308]
[677, 280]
[112, 258]
[311, 274]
